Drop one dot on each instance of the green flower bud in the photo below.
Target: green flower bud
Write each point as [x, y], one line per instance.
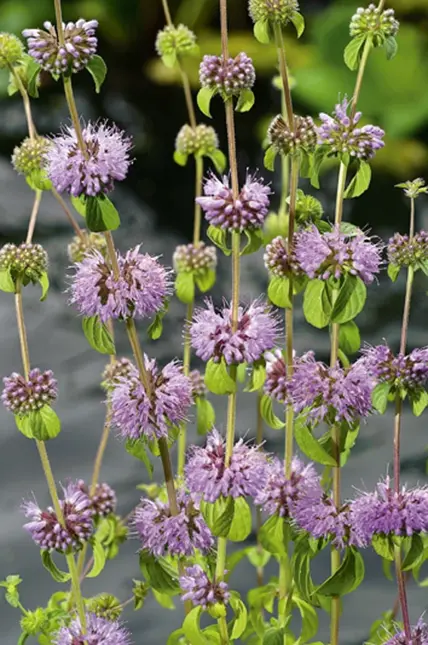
[80, 246]
[289, 142]
[106, 606]
[11, 50]
[412, 189]
[140, 591]
[380, 24]
[276, 11]
[175, 40]
[217, 610]
[26, 261]
[308, 208]
[195, 258]
[29, 157]
[34, 622]
[201, 140]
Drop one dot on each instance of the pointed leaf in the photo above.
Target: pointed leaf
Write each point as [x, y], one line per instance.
[180, 158]
[137, 448]
[317, 304]
[218, 237]
[299, 22]
[255, 241]
[192, 628]
[99, 558]
[268, 415]
[98, 70]
[169, 60]
[219, 160]
[98, 335]
[350, 301]
[6, 281]
[49, 564]
[380, 397]
[349, 338]
[418, 401]
[45, 423]
[101, 214]
[258, 377]
[393, 271]
[261, 31]
[205, 415]
[44, 283]
[241, 617]
[348, 577]
[360, 182]
[273, 535]
[33, 70]
[414, 554]
[24, 425]
[353, 51]
[219, 515]
[391, 47]
[163, 599]
[217, 378]
[269, 158]
[384, 546]
[245, 101]
[279, 292]
[240, 527]
[206, 280]
[309, 445]
[79, 204]
[185, 287]
[309, 619]
[159, 573]
[274, 636]
[203, 100]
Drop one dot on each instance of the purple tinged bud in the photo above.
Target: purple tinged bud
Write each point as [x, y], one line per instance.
[103, 499]
[405, 251]
[200, 590]
[195, 258]
[99, 631]
[408, 372]
[22, 396]
[229, 79]
[419, 636]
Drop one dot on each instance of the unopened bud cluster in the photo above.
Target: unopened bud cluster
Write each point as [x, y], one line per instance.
[22, 396]
[29, 156]
[308, 208]
[228, 78]
[175, 40]
[27, 261]
[35, 621]
[373, 21]
[404, 251]
[11, 50]
[199, 388]
[278, 261]
[80, 45]
[118, 369]
[103, 498]
[105, 606]
[414, 188]
[289, 141]
[201, 140]
[276, 11]
[85, 243]
[194, 258]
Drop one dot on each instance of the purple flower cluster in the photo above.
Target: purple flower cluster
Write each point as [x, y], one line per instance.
[320, 517]
[48, 532]
[385, 512]
[404, 251]
[281, 494]
[330, 394]
[208, 475]
[228, 78]
[409, 372]
[278, 260]
[138, 413]
[103, 500]
[341, 134]
[277, 381]
[138, 292]
[162, 533]
[333, 254]
[200, 590]
[22, 396]
[105, 161]
[80, 45]
[99, 631]
[248, 212]
[212, 336]
[419, 636]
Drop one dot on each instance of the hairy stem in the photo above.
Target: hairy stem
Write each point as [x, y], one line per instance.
[279, 41]
[71, 102]
[402, 594]
[33, 216]
[79, 232]
[59, 21]
[26, 101]
[360, 74]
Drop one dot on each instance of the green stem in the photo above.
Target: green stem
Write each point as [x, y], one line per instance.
[71, 102]
[75, 585]
[402, 594]
[279, 41]
[79, 232]
[360, 75]
[199, 172]
[167, 13]
[59, 21]
[26, 101]
[33, 216]
[224, 635]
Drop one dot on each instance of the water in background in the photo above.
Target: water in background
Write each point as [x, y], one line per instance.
[56, 341]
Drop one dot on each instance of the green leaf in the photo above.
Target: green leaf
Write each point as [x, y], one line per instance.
[268, 415]
[180, 158]
[44, 283]
[98, 70]
[101, 214]
[6, 281]
[317, 304]
[391, 47]
[273, 636]
[192, 628]
[219, 515]
[380, 397]
[205, 415]
[99, 558]
[38, 180]
[309, 445]
[279, 292]
[418, 401]
[218, 237]
[240, 528]
[79, 204]
[309, 619]
[45, 423]
[98, 335]
[163, 599]
[273, 535]
[169, 60]
[255, 241]
[219, 160]
[185, 287]
[299, 22]
[347, 578]
[241, 616]
[24, 425]
[155, 329]
[258, 556]
[160, 575]
[414, 554]
[317, 161]
[261, 31]
[49, 564]
[206, 281]
[217, 378]
[350, 301]
[203, 100]
[353, 50]
[33, 70]
[384, 546]
[245, 101]
[137, 448]
[269, 158]
[349, 337]
[258, 377]
[360, 182]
